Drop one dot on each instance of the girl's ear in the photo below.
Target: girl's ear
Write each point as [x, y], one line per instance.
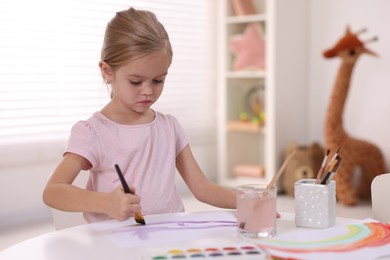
[106, 71]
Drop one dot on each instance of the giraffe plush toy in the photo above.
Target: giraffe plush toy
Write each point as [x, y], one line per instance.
[356, 153]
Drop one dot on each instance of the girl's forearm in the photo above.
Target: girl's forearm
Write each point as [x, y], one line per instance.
[74, 199]
[218, 196]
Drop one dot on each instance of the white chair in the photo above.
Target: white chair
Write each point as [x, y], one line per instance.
[63, 219]
[380, 193]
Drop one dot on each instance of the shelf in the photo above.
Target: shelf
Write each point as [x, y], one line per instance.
[241, 142]
[246, 18]
[239, 126]
[242, 74]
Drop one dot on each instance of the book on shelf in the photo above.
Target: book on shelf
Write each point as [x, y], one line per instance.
[248, 170]
[243, 7]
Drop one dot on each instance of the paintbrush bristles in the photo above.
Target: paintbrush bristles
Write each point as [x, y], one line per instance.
[139, 218]
[322, 168]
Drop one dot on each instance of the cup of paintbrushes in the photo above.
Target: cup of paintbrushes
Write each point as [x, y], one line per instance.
[315, 199]
[315, 204]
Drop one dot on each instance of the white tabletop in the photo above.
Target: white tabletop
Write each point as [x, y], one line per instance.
[165, 232]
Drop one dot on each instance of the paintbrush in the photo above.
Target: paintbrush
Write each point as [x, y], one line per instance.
[322, 168]
[330, 164]
[137, 215]
[277, 176]
[333, 158]
[332, 170]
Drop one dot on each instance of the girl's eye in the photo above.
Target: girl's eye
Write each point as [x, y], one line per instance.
[158, 81]
[136, 83]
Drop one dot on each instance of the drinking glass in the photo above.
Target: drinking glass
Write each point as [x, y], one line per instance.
[256, 211]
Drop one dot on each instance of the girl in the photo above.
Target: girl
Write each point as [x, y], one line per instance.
[147, 145]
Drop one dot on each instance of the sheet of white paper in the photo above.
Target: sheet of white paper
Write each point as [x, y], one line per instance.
[365, 239]
[167, 229]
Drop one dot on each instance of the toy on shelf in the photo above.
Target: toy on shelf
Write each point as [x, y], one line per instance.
[254, 103]
[244, 117]
[249, 48]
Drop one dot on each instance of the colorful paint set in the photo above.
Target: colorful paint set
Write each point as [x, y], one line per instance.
[247, 252]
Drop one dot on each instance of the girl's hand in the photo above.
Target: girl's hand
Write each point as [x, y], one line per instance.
[123, 205]
[278, 215]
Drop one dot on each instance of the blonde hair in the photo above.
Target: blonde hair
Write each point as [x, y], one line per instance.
[133, 34]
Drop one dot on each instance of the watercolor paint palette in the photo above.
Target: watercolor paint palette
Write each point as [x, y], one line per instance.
[247, 252]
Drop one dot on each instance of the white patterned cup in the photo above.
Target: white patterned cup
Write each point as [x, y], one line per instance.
[315, 204]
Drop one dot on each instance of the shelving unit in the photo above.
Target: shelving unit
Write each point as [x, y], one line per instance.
[244, 143]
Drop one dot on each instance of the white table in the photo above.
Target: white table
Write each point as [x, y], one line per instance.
[128, 240]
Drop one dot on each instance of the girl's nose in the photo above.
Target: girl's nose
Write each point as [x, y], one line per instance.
[147, 89]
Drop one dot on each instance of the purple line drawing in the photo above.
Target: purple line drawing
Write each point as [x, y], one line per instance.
[144, 232]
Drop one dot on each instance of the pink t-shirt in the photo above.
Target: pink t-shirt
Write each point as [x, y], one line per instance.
[145, 153]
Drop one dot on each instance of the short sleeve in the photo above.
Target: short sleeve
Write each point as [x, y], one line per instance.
[83, 141]
[181, 138]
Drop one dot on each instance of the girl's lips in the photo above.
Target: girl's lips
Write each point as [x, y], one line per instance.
[146, 102]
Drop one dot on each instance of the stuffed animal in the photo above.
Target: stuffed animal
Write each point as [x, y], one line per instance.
[303, 165]
[357, 153]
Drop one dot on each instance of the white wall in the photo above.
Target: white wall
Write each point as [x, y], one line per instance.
[368, 101]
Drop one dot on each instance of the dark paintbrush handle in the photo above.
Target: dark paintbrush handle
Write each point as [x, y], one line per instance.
[123, 181]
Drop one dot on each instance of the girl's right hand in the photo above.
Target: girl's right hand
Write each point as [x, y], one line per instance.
[123, 205]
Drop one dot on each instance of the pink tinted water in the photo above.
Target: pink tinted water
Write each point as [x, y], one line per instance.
[256, 213]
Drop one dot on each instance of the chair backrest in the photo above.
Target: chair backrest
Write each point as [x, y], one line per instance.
[380, 193]
[63, 219]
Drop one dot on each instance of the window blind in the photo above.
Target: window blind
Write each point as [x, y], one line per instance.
[49, 76]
